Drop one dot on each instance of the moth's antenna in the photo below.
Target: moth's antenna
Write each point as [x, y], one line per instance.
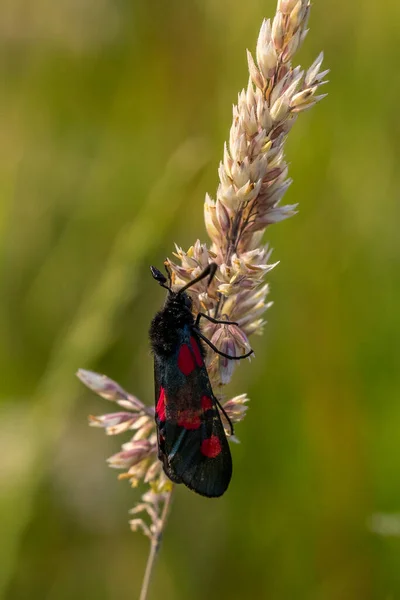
[159, 277]
[209, 270]
[168, 271]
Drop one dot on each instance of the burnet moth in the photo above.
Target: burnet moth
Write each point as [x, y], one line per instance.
[192, 444]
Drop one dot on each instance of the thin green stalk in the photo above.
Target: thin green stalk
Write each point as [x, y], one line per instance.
[155, 547]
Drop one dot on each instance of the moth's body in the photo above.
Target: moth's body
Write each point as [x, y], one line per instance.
[192, 444]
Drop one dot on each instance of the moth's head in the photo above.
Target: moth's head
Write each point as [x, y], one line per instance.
[181, 296]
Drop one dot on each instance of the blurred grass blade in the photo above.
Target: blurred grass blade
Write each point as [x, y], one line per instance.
[34, 432]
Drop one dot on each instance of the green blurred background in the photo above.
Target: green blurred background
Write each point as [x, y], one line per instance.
[113, 115]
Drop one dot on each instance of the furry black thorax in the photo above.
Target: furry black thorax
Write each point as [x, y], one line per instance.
[166, 326]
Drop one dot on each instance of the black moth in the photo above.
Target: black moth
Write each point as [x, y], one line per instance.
[192, 444]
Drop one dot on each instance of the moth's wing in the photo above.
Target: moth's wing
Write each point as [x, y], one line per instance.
[201, 458]
[194, 447]
[160, 417]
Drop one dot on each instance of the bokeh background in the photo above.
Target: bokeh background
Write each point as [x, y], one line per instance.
[113, 115]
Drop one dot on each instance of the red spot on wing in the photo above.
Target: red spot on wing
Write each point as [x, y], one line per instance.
[185, 360]
[160, 408]
[189, 419]
[206, 403]
[196, 350]
[211, 447]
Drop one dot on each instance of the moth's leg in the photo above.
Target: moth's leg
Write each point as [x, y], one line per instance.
[225, 415]
[217, 321]
[207, 341]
